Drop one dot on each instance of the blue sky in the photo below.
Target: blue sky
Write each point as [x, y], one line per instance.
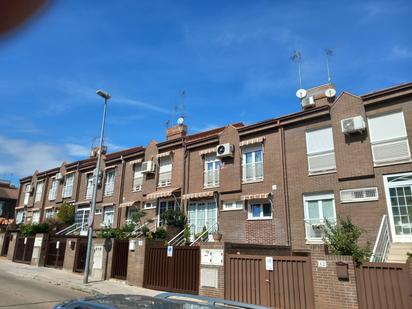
[231, 57]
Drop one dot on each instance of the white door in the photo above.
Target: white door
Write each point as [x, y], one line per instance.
[82, 214]
[398, 189]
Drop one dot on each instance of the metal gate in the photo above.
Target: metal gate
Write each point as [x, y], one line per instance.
[80, 256]
[289, 285]
[56, 248]
[383, 285]
[120, 257]
[24, 249]
[178, 273]
[6, 243]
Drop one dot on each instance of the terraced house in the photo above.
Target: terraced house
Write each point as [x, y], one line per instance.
[271, 183]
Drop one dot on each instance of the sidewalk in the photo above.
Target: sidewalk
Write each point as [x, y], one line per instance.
[71, 280]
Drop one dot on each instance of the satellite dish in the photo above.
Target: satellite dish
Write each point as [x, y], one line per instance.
[330, 92]
[301, 93]
[180, 120]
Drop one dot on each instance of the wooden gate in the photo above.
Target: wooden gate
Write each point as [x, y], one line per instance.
[24, 249]
[179, 273]
[383, 285]
[56, 248]
[6, 243]
[289, 285]
[80, 256]
[120, 257]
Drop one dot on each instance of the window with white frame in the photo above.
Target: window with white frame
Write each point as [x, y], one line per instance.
[232, 205]
[27, 189]
[68, 186]
[149, 205]
[108, 216]
[35, 217]
[320, 151]
[39, 191]
[165, 171]
[389, 139]
[211, 171]
[317, 209]
[130, 212]
[109, 183]
[20, 215]
[89, 190]
[49, 214]
[252, 163]
[258, 211]
[137, 177]
[202, 214]
[53, 190]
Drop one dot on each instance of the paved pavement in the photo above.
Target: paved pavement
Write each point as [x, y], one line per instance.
[25, 286]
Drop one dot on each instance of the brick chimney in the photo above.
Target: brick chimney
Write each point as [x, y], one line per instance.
[316, 97]
[176, 132]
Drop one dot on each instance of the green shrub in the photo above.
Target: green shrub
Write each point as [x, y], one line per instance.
[343, 238]
[160, 233]
[174, 217]
[66, 213]
[33, 229]
[197, 235]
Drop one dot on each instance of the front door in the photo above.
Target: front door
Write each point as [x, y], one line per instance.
[398, 189]
[202, 214]
[82, 214]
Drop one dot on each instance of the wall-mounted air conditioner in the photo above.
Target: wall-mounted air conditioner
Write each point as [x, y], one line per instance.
[308, 102]
[59, 177]
[225, 150]
[353, 124]
[148, 167]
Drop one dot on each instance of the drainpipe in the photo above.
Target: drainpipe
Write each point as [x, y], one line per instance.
[186, 161]
[217, 201]
[285, 184]
[119, 209]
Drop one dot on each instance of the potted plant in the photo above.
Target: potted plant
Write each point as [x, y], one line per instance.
[217, 236]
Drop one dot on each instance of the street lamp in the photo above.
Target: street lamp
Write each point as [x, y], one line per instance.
[96, 173]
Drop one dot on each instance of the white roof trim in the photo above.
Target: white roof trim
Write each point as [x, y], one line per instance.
[252, 141]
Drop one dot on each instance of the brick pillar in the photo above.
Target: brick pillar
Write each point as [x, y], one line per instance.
[135, 262]
[12, 246]
[331, 292]
[212, 281]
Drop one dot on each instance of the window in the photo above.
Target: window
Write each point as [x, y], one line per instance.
[320, 151]
[252, 163]
[317, 209]
[50, 213]
[389, 140]
[108, 216]
[109, 183]
[89, 190]
[53, 190]
[212, 171]
[27, 189]
[137, 177]
[98, 211]
[20, 215]
[165, 172]
[260, 211]
[201, 215]
[233, 205]
[165, 206]
[35, 217]
[149, 205]
[39, 191]
[359, 195]
[130, 211]
[68, 185]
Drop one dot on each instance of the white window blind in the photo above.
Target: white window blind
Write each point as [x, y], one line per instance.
[20, 216]
[389, 139]
[137, 177]
[165, 171]
[233, 205]
[26, 194]
[35, 217]
[89, 190]
[109, 183]
[211, 171]
[252, 163]
[320, 150]
[68, 185]
[39, 191]
[108, 216]
[53, 190]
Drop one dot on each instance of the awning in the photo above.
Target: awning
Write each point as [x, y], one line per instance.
[82, 203]
[164, 154]
[197, 195]
[207, 151]
[252, 141]
[254, 196]
[108, 204]
[161, 193]
[128, 204]
[135, 161]
[20, 207]
[33, 209]
[50, 207]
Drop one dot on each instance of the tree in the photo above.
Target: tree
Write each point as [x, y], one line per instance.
[343, 238]
[174, 217]
[66, 213]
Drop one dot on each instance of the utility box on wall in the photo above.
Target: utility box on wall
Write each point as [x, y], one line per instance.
[342, 271]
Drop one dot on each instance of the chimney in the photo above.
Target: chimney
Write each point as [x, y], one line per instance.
[319, 96]
[177, 131]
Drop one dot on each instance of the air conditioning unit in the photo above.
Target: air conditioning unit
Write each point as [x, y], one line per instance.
[225, 150]
[354, 124]
[59, 176]
[148, 167]
[308, 102]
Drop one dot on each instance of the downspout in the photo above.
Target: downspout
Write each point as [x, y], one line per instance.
[119, 209]
[78, 182]
[217, 201]
[44, 193]
[285, 184]
[186, 161]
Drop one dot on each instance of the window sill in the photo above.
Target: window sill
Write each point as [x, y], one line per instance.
[392, 163]
[235, 209]
[211, 186]
[164, 186]
[149, 207]
[140, 190]
[245, 182]
[108, 195]
[52, 200]
[322, 173]
[314, 242]
[259, 219]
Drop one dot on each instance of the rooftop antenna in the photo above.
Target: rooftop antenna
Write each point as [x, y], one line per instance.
[297, 58]
[181, 108]
[329, 54]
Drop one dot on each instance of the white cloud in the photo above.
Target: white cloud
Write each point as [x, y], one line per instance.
[77, 150]
[399, 52]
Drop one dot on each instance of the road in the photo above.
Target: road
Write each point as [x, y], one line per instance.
[22, 292]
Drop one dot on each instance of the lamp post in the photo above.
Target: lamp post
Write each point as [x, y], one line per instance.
[96, 175]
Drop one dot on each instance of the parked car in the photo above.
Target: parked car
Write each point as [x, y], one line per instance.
[164, 300]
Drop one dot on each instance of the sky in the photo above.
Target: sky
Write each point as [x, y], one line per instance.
[232, 58]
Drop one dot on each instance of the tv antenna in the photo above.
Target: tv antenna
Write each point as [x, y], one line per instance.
[329, 54]
[297, 58]
[180, 108]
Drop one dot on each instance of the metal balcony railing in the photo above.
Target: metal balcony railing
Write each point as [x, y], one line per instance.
[383, 240]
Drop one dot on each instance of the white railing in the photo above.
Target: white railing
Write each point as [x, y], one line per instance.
[211, 178]
[213, 227]
[252, 171]
[315, 228]
[73, 228]
[383, 240]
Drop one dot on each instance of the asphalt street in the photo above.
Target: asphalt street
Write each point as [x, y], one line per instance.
[22, 292]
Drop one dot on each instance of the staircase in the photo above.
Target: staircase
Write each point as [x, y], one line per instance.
[398, 252]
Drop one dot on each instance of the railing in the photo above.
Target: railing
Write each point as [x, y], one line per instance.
[315, 228]
[179, 239]
[73, 228]
[213, 227]
[252, 171]
[383, 240]
[211, 178]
